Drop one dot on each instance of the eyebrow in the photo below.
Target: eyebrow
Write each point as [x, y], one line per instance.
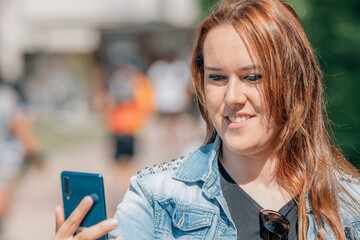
[249, 67]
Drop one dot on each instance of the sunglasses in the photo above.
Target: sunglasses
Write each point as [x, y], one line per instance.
[273, 225]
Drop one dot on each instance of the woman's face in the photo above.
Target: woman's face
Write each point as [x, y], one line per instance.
[233, 87]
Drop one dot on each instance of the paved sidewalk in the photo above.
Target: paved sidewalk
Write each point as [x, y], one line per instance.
[32, 214]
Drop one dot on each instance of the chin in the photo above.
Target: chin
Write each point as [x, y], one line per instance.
[244, 146]
[238, 146]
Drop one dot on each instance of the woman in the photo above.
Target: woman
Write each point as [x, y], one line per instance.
[269, 169]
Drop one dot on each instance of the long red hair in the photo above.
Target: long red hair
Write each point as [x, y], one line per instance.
[308, 161]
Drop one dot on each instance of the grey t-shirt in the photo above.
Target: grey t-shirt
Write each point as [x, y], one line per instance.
[245, 211]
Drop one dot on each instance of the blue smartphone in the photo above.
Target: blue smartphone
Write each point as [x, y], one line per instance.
[77, 185]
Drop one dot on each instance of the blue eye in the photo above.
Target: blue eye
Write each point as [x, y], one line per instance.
[253, 77]
[215, 77]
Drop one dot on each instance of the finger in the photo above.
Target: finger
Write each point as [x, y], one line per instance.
[59, 216]
[72, 223]
[98, 230]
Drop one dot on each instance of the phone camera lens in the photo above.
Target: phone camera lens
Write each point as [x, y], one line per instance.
[66, 186]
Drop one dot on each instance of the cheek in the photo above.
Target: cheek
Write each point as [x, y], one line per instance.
[213, 103]
[213, 98]
[269, 130]
[259, 105]
[258, 102]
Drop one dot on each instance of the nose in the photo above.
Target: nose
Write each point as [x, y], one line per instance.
[235, 93]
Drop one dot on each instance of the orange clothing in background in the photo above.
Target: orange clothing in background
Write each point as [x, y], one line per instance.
[128, 117]
[144, 93]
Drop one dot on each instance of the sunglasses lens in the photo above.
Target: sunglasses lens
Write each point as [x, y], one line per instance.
[278, 228]
[275, 223]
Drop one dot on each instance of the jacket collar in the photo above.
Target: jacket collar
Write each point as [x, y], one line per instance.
[202, 165]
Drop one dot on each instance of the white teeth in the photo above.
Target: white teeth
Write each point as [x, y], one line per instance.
[237, 119]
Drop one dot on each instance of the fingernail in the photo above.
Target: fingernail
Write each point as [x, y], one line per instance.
[112, 222]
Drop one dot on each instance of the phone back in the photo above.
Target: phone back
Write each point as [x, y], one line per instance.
[77, 185]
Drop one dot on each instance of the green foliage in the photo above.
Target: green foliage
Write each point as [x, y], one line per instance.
[207, 6]
[333, 28]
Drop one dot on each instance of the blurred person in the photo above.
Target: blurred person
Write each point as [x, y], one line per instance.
[17, 143]
[130, 102]
[170, 77]
[268, 168]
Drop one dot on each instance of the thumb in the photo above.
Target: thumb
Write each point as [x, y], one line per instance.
[60, 216]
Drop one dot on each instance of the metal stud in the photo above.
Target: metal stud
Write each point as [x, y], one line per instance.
[175, 168]
[169, 164]
[152, 172]
[178, 163]
[150, 169]
[164, 169]
[141, 175]
[138, 172]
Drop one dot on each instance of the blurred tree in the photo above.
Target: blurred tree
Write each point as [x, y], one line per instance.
[334, 32]
[333, 28]
[207, 6]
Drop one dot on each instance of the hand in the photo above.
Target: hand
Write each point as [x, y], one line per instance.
[65, 229]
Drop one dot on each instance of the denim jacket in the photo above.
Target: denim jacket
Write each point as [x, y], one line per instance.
[182, 199]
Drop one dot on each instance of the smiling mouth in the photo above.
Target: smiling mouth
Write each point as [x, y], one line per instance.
[238, 119]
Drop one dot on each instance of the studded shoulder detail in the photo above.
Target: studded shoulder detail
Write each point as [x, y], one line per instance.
[165, 166]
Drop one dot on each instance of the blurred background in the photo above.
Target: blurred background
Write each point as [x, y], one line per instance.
[82, 88]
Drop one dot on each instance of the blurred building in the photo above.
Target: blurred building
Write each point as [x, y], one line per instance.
[45, 42]
[70, 26]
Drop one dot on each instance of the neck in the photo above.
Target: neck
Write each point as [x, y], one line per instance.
[246, 169]
[256, 176]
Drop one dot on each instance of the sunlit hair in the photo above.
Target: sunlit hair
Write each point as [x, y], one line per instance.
[309, 165]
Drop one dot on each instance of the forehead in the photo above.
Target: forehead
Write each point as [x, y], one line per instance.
[224, 47]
